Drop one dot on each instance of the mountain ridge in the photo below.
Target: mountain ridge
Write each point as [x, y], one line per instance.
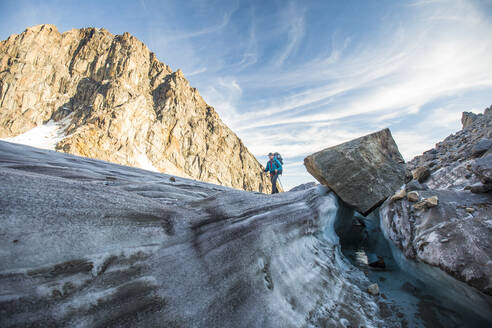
[120, 104]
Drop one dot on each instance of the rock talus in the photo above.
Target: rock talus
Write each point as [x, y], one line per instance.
[452, 227]
[119, 103]
[363, 172]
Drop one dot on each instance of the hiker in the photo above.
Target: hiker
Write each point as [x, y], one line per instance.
[274, 167]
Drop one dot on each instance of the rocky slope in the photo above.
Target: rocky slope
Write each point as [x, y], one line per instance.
[443, 217]
[111, 99]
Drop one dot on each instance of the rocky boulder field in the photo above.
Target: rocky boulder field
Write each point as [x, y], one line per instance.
[443, 216]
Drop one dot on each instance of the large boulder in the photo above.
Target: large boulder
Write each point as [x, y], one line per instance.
[481, 147]
[482, 167]
[363, 172]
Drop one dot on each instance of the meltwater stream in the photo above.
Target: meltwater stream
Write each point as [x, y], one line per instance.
[412, 294]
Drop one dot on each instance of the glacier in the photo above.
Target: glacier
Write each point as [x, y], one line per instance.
[87, 243]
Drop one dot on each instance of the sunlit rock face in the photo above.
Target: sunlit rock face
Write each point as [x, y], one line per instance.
[363, 172]
[86, 243]
[455, 235]
[91, 93]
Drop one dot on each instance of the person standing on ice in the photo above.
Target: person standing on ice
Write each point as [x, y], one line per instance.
[274, 167]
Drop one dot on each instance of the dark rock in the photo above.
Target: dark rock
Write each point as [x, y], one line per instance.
[481, 147]
[362, 172]
[408, 175]
[378, 264]
[415, 185]
[479, 188]
[358, 222]
[172, 179]
[430, 154]
[421, 174]
[482, 167]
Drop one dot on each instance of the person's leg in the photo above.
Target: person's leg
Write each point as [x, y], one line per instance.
[274, 183]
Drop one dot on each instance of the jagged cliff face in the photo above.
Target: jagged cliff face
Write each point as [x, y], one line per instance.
[118, 103]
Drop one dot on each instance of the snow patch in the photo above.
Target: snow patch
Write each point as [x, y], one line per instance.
[145, 163]
[44, 136]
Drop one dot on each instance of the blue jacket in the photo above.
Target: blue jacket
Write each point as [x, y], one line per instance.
[273, 165]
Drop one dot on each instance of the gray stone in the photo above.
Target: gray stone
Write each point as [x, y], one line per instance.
[426, 203]
[415, 185]
[408, 175]
[418, 234]
[400, 194]
[482, 167]
[481, 147]
[421, 174]
[373, 289]
[413, 196]
[479, 188]
[362, 172]
[432, 201]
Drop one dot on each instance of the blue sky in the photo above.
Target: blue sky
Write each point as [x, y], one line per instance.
[299, 76]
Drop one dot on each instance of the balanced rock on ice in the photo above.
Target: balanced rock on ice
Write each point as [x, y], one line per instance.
[362, 172]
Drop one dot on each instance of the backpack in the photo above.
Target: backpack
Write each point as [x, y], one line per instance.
[278, 157]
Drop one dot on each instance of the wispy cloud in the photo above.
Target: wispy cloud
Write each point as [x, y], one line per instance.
[207, 30]
[294, 21]
[250, 55]
[196, 72]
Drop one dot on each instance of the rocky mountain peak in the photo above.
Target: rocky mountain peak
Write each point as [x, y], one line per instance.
[467, 118]
[108, 97]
